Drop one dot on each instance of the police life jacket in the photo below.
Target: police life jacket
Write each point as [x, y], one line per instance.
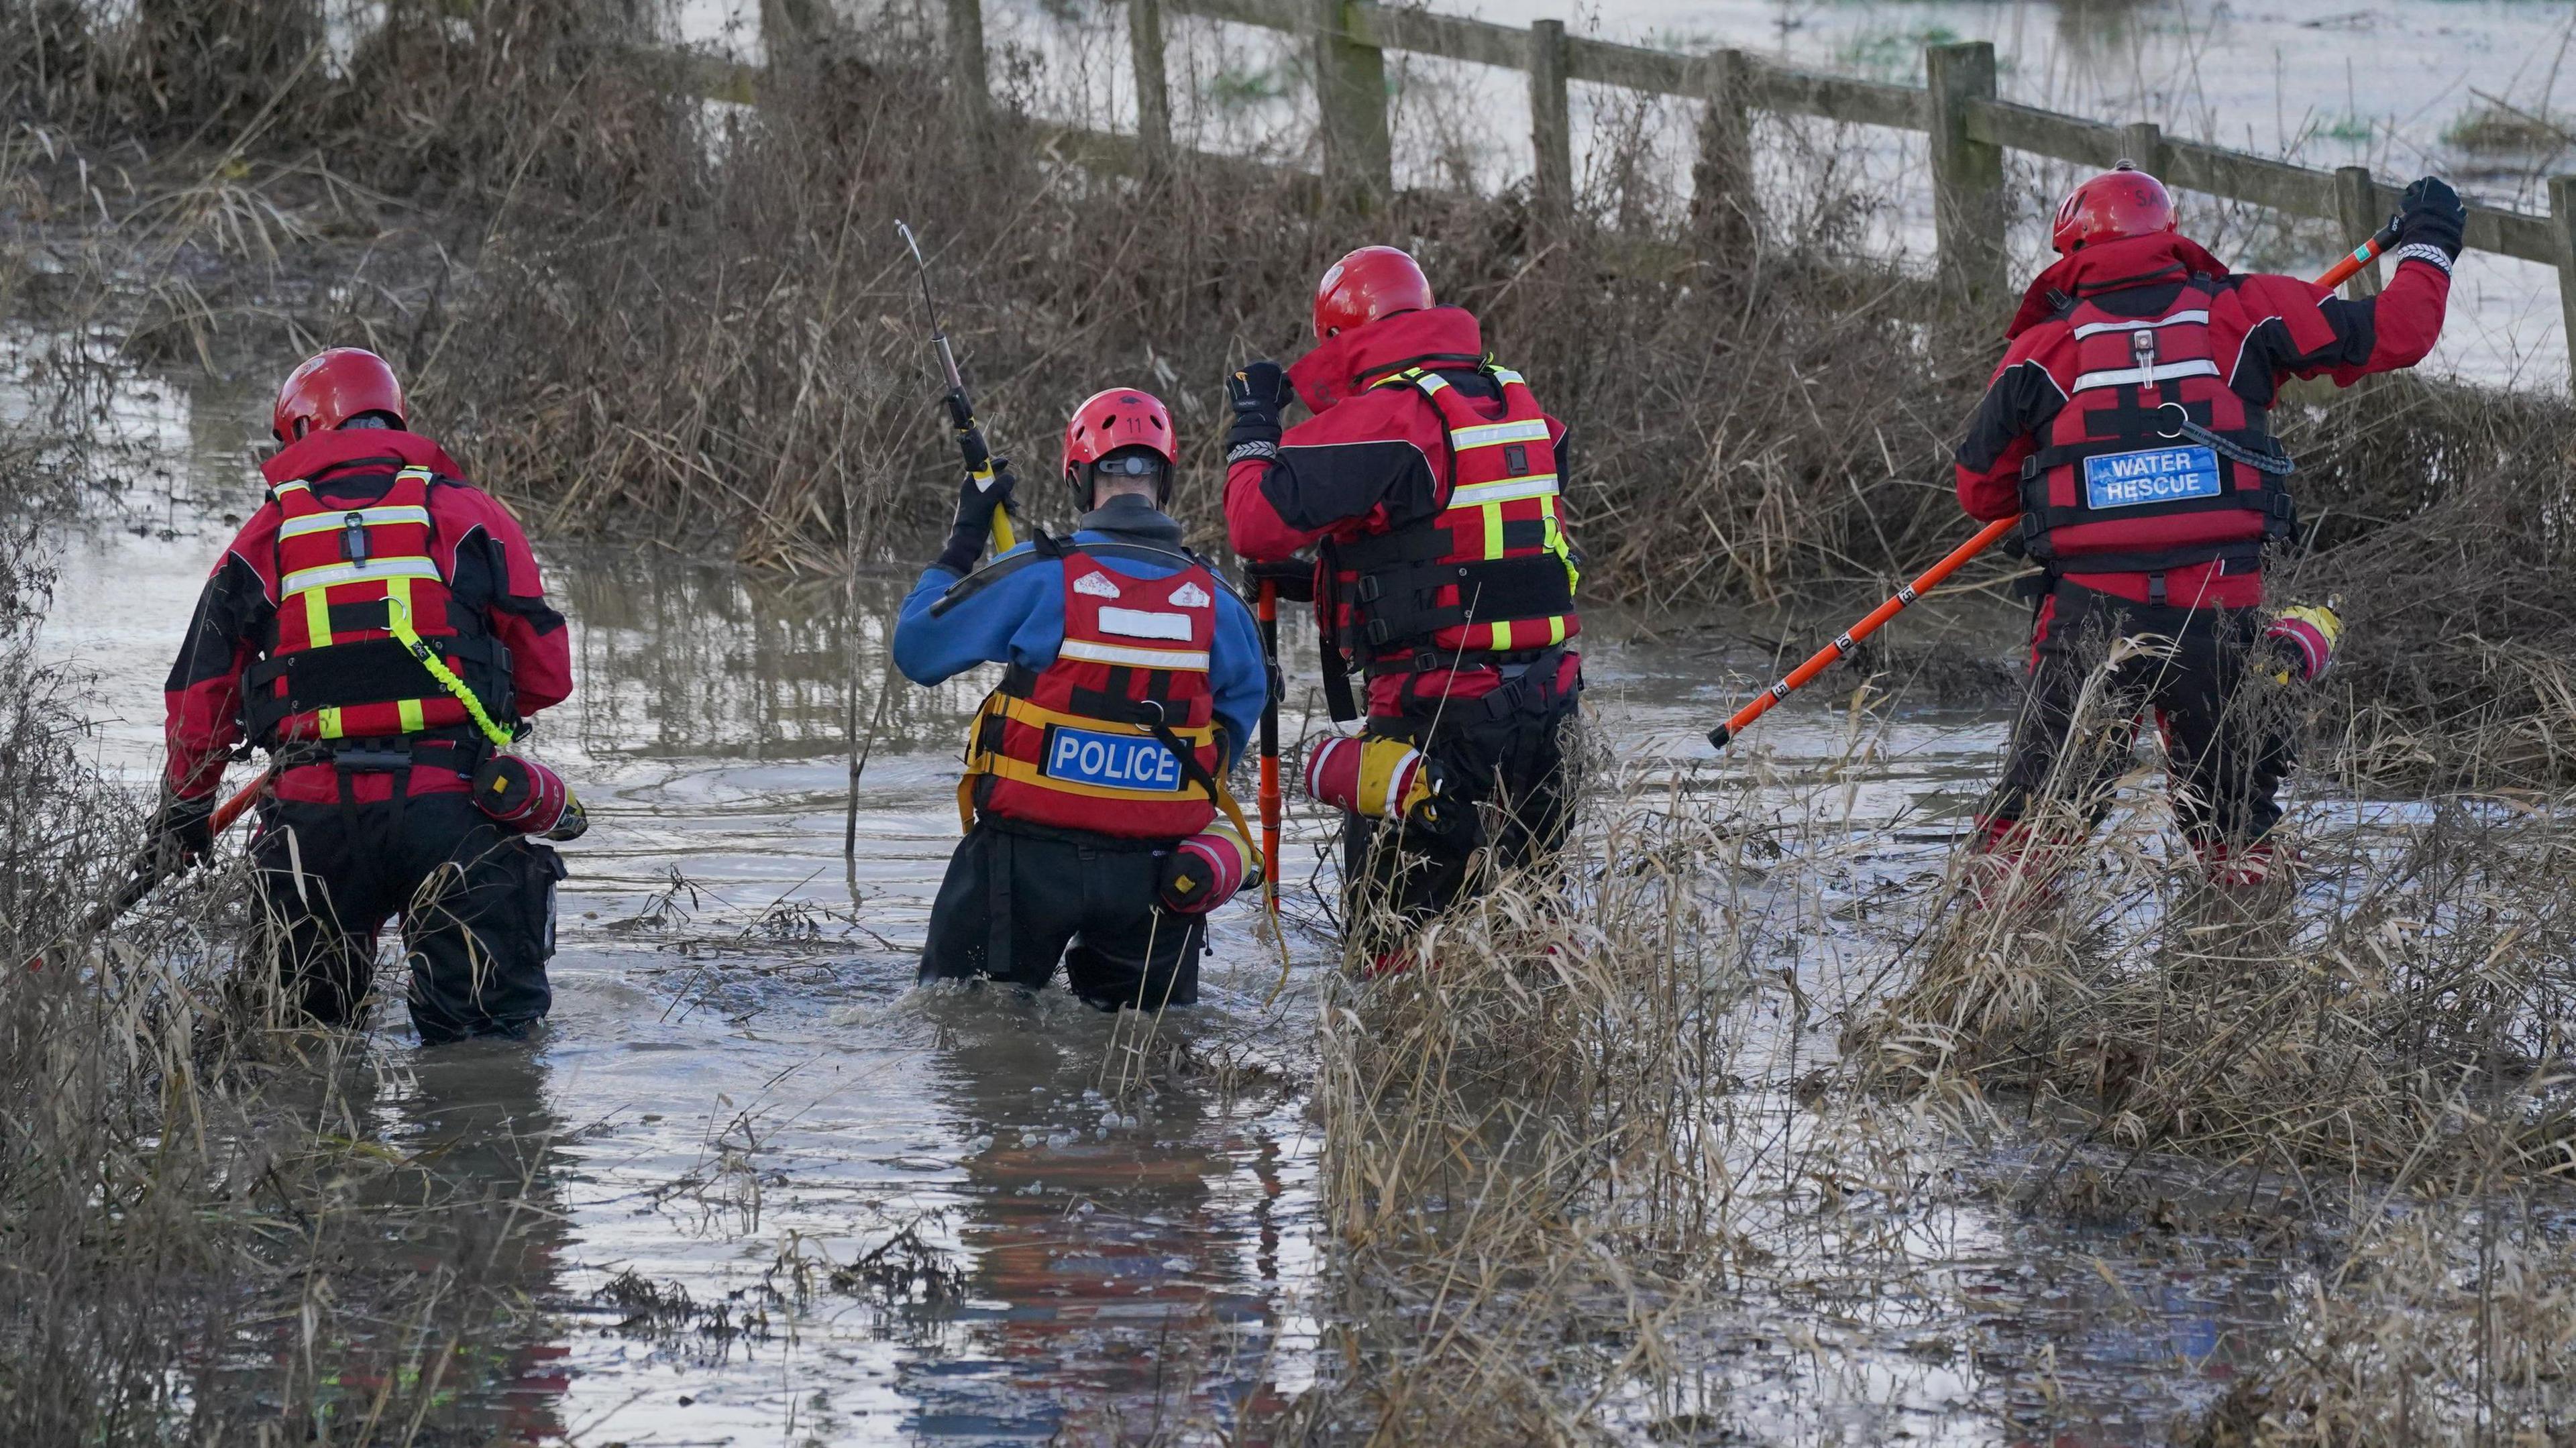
[1491, 574]
[1117, 736]
[349, 580]
[2153, 463]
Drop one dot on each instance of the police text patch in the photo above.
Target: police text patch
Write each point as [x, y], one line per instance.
[2159, 475]
[1111, 761]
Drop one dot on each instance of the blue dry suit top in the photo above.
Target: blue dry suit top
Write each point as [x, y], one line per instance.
[1019, 619]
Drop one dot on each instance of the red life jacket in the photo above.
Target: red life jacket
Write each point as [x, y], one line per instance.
[335, 670]
[1490, 574]
[1118, 735]
[2119, 484]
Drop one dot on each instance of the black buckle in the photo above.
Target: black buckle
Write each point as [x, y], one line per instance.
[1377, 632]
[1425, 660]
[1367, 589]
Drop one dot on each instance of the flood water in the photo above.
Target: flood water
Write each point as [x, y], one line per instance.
[784, 1197]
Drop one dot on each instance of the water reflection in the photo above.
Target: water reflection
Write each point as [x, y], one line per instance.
[1124, 1240]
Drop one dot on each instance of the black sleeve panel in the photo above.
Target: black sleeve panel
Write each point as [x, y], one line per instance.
[232, 611]
[2020, 403]
[482, 580]
[2269, 355]
[1315, 487]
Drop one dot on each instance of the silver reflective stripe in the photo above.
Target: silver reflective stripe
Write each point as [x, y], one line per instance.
[1504, 490]
[1493, 434]
[2164, 372]
[1188, 660]
[2143, 324]
[374, 570]
[370, 517]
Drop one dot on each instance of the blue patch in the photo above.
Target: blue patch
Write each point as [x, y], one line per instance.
[1111, 761]
[2160, 475]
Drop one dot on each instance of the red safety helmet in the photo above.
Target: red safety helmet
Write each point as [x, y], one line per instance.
[2123, 201]
[1106, 422]
[332, 387]
[1372, 282]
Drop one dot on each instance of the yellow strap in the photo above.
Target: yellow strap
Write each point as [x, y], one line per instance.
[326, 723]
[317, 616]
[398, 616]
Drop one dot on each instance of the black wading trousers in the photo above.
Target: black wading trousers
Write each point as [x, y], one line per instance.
[1018, 898]
[477, 905]
[1507, 750]
[2228, 746]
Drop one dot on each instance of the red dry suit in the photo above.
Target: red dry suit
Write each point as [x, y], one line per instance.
[1430, 478]
[291, 641]
[2110, 345]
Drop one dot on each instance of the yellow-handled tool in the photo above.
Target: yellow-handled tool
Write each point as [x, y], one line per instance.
[961, 408]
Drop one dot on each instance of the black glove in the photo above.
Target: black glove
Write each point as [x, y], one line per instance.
[1256, 393]
[1294, 578]
[183, 829]
[2431, 214]
[974, 525]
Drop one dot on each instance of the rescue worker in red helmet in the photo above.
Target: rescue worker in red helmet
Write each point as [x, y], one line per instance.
[1427, 481]
[2127, 424]
[369, 555]
[1098, 827]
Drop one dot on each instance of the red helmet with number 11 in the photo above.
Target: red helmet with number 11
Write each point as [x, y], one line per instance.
[1372, 282]
[2121, 202]
[1113, 422]
[332, 387]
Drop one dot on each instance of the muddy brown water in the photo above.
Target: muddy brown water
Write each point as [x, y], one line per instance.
[784, 1197]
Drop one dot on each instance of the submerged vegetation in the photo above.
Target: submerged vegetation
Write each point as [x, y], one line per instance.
[1672, 1141]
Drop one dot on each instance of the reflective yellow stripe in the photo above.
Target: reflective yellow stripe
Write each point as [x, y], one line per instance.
[1037, 716]
[397, 598]
[1556, 630]
[1495, 434]
[317, 616]
[408, 712]
[367, 517]
[1493, 530]
[372, 571]
[1505, 490]
[326, 723]
[1192, 661]
[1506, 376]
[297, 485]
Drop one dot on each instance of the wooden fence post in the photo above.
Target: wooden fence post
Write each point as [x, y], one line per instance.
[2144, 143]
[2562, 218]
[1551, 120]
[1153, 92]
[1967, 175]
[1722, 201]
[1350, 91]
[966, 55]
[2357, 210]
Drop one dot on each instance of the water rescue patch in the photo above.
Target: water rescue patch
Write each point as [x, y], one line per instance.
[2160, 475]
[1111, 761]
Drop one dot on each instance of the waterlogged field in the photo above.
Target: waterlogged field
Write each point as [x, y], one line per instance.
[752, 1187]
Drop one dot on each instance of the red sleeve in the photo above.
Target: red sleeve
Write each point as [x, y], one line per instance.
[1252, 522]
[2020, 401]
[2406, 319]
[540, 644]
[201, 699]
